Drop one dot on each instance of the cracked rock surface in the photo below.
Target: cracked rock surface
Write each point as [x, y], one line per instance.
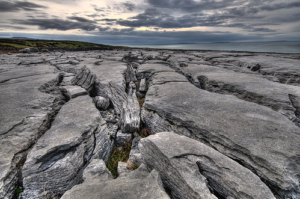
[177, 157]
[220, 124]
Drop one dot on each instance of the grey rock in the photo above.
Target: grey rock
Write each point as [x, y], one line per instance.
[139, 184]
[85, 78]
[45, 50]
[60, 154]
[130, 57]
[135, 157]
[153, 122]
[140, 94]
[130, 116]
[123, 138]
[31, 62]
[129, 74]
[96, 171]
[34, 50]
[25, 50]
[25, 112]
[143, 86]
[114, 92]
[285, 69]
[244, 131]
[248, 87]
[184, 180]
[101, 102]
[98, 63]
[74, 62]
[183, 65]
[123, 169]
[74, 91]
[189, 160]
[104, 142]
[135, 65]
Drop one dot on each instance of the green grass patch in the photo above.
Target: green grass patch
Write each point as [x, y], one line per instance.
[23, 43]
[120, 154]
[14, 45]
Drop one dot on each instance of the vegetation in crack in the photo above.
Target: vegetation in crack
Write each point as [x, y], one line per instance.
[144, 132]
[119, 154]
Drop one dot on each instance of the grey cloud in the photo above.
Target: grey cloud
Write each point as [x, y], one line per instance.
[81, 19]
[57, 24]
[158, 19]
[8, 6]
[108, 20]
[261, 30]
[128, 5]
[155, 18]
[93, 15]
[192, 5]
[281, 6]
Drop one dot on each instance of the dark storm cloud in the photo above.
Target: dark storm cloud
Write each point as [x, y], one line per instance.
[191, 5]
[128, 5]
[155, 18]
[107, 20]
[81, 19]
[261, 30]
[8, 6]
[281, 6]
[158, 19]
[58, 24]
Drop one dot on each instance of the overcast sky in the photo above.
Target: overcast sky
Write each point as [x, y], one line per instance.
[152, 21]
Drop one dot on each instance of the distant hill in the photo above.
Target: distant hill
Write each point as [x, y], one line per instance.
[23, 42]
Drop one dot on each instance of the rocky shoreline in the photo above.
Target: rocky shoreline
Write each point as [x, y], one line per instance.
[216, 124]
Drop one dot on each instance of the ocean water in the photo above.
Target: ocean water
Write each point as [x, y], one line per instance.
[276, 47]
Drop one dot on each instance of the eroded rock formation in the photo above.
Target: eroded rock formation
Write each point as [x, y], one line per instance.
[221, 124]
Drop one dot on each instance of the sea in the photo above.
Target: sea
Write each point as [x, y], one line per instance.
[270, 47]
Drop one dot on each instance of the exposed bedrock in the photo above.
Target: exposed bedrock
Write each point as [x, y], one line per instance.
[99, 183]
[53, 165]
[285, 70]
[188, 168]
[26, 112]
[248, 87]
[257, 137]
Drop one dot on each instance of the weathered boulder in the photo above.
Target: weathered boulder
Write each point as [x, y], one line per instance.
[139, 184]
[101, 102]
[182, 162]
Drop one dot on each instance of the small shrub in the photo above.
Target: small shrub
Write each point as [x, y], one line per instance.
[18, 191]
